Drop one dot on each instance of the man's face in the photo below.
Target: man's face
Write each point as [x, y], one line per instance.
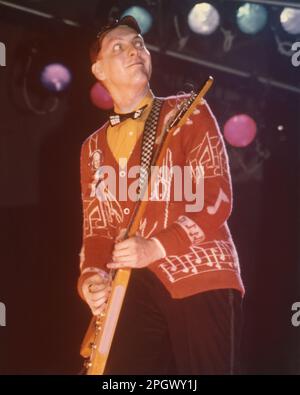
[123, 59]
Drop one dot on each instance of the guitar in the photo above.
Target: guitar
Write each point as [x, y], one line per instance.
[99, 336]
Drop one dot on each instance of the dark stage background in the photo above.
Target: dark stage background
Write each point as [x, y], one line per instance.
[40, 206]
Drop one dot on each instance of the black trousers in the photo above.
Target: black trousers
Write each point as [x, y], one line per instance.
[156, 334]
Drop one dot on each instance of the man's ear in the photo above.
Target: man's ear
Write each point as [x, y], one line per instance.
[97, 70]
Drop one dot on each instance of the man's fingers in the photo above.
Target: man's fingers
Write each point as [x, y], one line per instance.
[95, 279]
[123, 244]
[125, 258]
[99, 310]
[99, 303]
[121, 235]
[119, 265]
[96, 287]
[99, 295]
[121, 253]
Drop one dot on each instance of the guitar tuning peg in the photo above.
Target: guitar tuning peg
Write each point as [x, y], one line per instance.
[87, 364]
[93, 346]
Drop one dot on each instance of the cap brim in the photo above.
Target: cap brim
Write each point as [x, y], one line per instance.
[127, 20]
[130, 21]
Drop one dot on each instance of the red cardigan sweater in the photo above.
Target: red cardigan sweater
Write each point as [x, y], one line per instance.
[200, 253]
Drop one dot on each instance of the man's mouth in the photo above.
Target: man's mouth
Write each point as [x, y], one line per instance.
[136, 64]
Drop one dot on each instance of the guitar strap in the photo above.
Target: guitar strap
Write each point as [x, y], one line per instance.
[149, 136]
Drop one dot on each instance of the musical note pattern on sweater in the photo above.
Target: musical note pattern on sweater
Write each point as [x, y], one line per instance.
[209, 256]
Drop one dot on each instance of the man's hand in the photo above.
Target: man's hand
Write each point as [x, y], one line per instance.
[96, 290]
[135, 252]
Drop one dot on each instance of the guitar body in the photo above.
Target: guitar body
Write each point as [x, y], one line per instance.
[98, 339]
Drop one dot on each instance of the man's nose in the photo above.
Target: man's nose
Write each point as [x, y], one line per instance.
[133, 51]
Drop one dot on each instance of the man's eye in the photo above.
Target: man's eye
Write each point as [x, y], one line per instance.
[117, 47]
[139, 44]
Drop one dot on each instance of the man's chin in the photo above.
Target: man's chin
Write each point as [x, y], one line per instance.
[140, 78]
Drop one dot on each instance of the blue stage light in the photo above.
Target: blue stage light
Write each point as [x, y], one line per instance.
[143, 17]
[251, 18]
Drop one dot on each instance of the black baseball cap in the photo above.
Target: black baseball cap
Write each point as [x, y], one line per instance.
[127, 20]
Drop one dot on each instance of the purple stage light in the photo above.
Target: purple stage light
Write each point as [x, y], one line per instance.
[240, 130]
[56, 77]
[100, 97]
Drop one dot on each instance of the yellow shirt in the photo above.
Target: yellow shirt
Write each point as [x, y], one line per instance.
[122, 138]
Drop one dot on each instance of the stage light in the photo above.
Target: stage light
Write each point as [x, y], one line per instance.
[251, 18]
[143, 17]
[203, 18]
[240, 130]
[100, 97]
[290, 20]
[56, 77]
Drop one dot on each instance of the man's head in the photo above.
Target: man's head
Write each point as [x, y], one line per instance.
[122, 59]
[127, 20]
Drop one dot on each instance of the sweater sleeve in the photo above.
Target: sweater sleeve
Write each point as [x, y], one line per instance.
[207, 163]
[97, 233]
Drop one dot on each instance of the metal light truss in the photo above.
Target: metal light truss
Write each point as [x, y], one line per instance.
[180, 55]
[292, 4]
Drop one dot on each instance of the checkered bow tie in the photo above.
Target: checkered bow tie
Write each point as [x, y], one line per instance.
[115, 118]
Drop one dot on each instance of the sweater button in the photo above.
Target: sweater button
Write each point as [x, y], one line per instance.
[126, 211]
[122, 173]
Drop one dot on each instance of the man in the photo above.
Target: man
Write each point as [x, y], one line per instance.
[182, 311]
